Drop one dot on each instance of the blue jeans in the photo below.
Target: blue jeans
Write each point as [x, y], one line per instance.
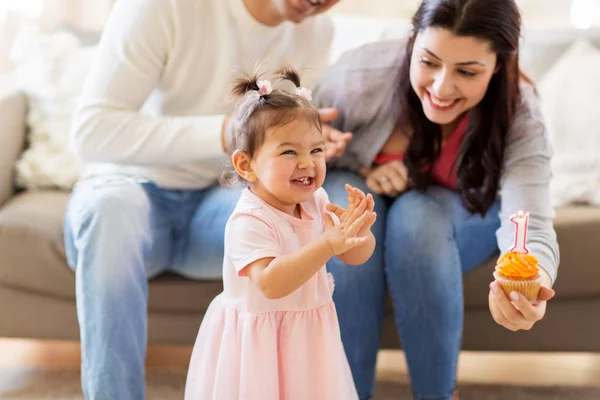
[119, 232]
[425, 242]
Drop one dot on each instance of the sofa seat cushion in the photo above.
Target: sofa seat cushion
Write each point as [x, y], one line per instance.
[31, 245]
[32, 258]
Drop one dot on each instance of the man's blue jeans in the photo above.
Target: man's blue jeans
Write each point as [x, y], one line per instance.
[119, 232]
[425, 242]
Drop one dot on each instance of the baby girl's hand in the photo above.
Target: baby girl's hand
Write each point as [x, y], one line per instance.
[360, 195]
[355, 197]
[344, 236]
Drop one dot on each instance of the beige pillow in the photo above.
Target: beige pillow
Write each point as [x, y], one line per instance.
[51, 70]
[570, 94]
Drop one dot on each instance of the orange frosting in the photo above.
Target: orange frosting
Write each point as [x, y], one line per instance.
[517, 265]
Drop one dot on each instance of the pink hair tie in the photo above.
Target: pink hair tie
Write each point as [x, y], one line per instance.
[264, 87]
[305, 93]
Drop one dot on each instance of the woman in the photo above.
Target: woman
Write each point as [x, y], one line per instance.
[448, 134]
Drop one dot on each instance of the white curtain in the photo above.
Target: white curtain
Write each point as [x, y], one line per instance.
[84, 14]
[91, 14]
[377, 8]
[88, 15]
[531, 9]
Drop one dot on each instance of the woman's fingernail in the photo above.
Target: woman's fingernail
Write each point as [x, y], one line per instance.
[494, 287]
[514, 296]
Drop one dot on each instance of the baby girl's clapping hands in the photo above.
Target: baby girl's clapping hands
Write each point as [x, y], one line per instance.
[355, 222]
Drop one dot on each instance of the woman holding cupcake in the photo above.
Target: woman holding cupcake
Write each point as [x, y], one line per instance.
[448, 136]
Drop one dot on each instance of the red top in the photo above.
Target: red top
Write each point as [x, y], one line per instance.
[444, 171]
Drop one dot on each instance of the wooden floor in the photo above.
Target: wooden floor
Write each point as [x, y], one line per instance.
[542, 369]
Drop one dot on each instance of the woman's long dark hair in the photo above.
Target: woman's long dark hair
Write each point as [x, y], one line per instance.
[480, 158]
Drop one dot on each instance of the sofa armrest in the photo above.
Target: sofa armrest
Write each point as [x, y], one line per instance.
[13, 108]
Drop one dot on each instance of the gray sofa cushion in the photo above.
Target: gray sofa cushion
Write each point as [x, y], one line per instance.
[32, 257]
[12, 136]
[31, 249]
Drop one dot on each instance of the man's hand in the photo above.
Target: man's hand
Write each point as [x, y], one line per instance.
[224, 133]
[335, 140]
[516, 313]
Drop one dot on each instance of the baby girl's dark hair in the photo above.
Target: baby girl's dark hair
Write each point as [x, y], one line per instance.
[258, 109]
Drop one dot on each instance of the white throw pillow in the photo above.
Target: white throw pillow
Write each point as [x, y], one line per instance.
[570, 92]
[51, 70]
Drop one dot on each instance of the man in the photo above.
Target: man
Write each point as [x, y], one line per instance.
[149, 127]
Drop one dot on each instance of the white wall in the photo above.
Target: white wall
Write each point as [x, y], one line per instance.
[91, 14]
[535, 12]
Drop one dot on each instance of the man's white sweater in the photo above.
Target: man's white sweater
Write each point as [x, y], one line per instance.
[154, 103]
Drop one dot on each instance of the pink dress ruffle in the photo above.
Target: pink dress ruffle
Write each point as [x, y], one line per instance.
[278, 355]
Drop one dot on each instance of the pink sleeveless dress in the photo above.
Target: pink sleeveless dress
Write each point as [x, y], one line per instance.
[253, 348]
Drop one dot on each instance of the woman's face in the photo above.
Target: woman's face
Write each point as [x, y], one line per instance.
[450, 74]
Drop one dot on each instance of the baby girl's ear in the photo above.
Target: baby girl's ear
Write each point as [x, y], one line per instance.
[243, 166]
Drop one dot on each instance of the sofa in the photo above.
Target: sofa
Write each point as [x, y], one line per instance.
[37, 289]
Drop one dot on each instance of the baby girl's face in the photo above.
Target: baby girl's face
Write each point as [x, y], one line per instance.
[290, 165]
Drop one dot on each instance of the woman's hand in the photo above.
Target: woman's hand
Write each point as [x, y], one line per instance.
[335, 141]
[390, 179]
[516, 313]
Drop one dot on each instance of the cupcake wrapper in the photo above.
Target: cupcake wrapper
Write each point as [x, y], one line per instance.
[528, 287]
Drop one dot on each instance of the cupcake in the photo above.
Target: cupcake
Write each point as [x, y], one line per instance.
[518, 270]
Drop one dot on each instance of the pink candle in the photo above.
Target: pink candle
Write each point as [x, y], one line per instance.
[520, 219]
